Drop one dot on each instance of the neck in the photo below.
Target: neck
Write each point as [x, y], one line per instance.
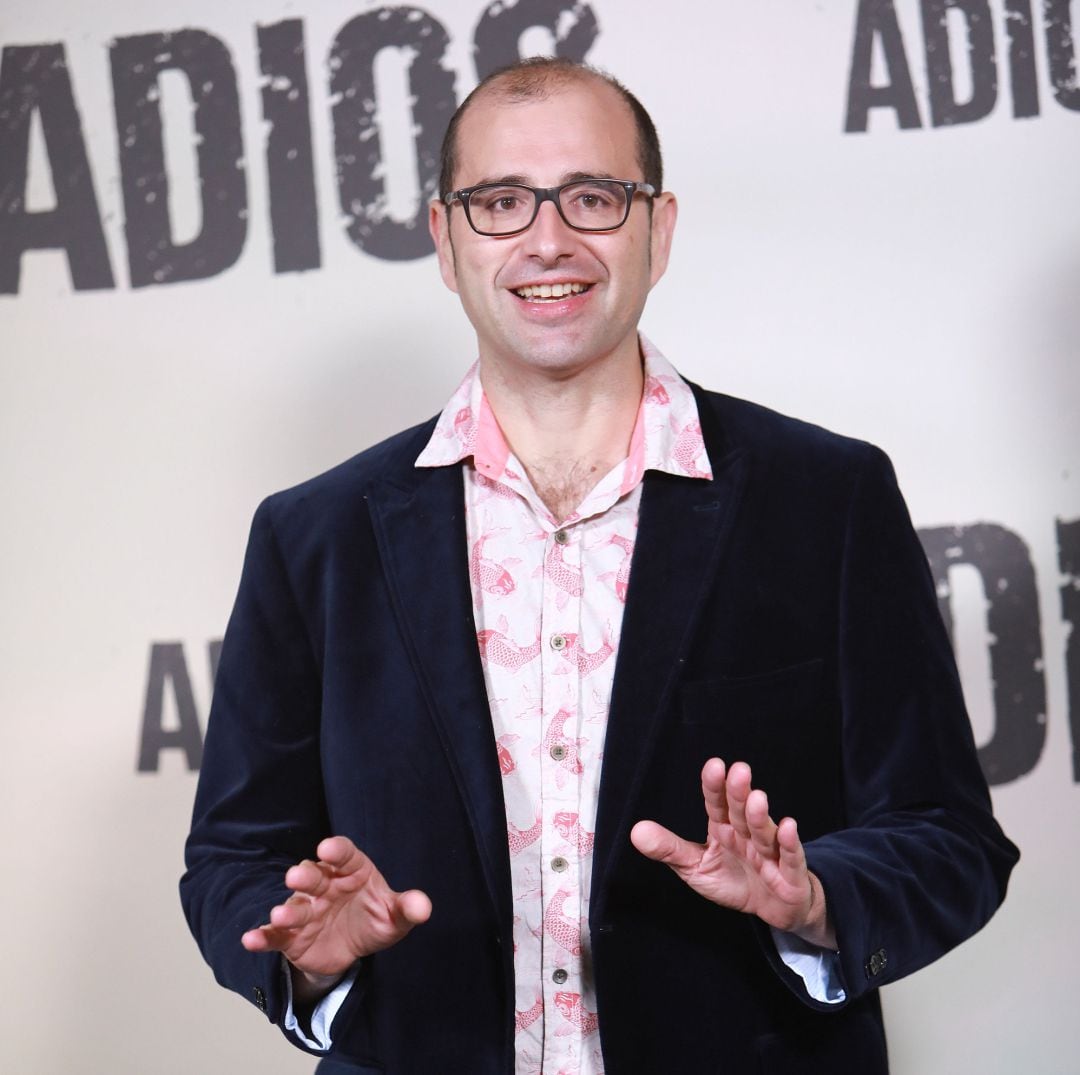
[568, 428]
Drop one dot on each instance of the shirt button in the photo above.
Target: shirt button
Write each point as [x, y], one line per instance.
[558, 752]
[559, 864]
[561, 537]
[559, 976]
[558, 642]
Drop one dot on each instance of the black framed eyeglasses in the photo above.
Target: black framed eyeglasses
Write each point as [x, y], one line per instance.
[498, 209]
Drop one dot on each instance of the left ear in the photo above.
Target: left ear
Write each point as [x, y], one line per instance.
[664, 211]
[439, 226]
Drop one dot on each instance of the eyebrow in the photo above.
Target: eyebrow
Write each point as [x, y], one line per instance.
[517, 179]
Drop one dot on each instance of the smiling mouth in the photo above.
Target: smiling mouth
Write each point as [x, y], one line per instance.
[550, 292]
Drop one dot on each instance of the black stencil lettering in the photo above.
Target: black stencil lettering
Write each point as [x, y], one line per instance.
[1068, 539]
[137, 62]
[498, 33]
[1061, 52]
[1025, 86]
[36, 78]
[876, 19]
[945, 109]
[1012, 624]
[357, 149]
[213, 651]
[168, 666]
[294, 214]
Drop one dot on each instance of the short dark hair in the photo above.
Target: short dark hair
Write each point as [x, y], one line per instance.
[538, 77]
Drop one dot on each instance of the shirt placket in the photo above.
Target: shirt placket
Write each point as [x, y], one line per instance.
[561, 769]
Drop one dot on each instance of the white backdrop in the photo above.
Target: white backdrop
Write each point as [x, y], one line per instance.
[918, 287]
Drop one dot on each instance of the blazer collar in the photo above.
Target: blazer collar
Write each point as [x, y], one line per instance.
[683, 529]
[419, 521]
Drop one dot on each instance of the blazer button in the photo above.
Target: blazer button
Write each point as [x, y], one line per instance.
[876, 963]
[260, 999]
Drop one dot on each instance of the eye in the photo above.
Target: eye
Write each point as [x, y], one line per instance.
[498, 200]
[594, 197]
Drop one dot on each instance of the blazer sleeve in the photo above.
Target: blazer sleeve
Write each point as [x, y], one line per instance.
[922, 864]
[260, 805]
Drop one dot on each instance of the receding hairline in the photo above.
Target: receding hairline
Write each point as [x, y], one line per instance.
[538, 79]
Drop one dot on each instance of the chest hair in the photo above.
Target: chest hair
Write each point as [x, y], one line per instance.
[563, 484]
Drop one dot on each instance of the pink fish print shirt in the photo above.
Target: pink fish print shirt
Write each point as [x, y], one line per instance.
[548, 598]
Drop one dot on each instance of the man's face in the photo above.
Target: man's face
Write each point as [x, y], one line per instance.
[583, 129]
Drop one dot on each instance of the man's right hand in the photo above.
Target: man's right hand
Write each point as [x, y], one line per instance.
[341, 909]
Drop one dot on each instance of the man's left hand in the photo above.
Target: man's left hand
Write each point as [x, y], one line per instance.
[748, 862]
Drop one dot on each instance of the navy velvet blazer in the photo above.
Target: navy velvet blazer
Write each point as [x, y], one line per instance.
[782, 614]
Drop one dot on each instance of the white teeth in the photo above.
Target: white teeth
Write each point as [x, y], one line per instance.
[550, 291]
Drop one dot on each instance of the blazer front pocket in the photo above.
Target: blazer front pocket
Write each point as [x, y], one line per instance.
[774, 694]
[785, 724]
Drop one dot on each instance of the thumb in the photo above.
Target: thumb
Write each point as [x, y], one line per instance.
[662, 845]
[411, 908]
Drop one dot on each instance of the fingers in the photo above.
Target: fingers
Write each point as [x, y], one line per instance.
[662, 845]
[293, 914]
[266, 939]
[793, 867]
[738, 791]
[285, 919]
[731, 799]
[749, 863]
[338, 857]
[761, 825]
[341, 901]
[309, 878]
[714, 792]
[341, 853]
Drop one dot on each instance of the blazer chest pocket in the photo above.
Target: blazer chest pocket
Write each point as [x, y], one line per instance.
[784, 724]
[766, 695]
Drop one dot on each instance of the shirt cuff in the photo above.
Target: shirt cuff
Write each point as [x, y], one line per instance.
[819, 968]
[325, 1011]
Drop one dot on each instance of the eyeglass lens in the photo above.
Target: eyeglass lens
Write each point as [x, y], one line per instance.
[593, 205]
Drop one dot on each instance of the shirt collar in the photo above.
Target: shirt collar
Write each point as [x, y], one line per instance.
[666, 436]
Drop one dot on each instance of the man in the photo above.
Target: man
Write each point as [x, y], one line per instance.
[499, 662]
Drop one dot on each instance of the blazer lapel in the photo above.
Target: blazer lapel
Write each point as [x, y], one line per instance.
[420, 529]
[683, 527]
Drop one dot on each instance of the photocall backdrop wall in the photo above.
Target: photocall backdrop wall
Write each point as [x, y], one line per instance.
[215, 281]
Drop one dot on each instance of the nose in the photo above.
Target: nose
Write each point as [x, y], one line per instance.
[550, 237]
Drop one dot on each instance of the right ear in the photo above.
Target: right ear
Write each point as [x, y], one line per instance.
[439, 226]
